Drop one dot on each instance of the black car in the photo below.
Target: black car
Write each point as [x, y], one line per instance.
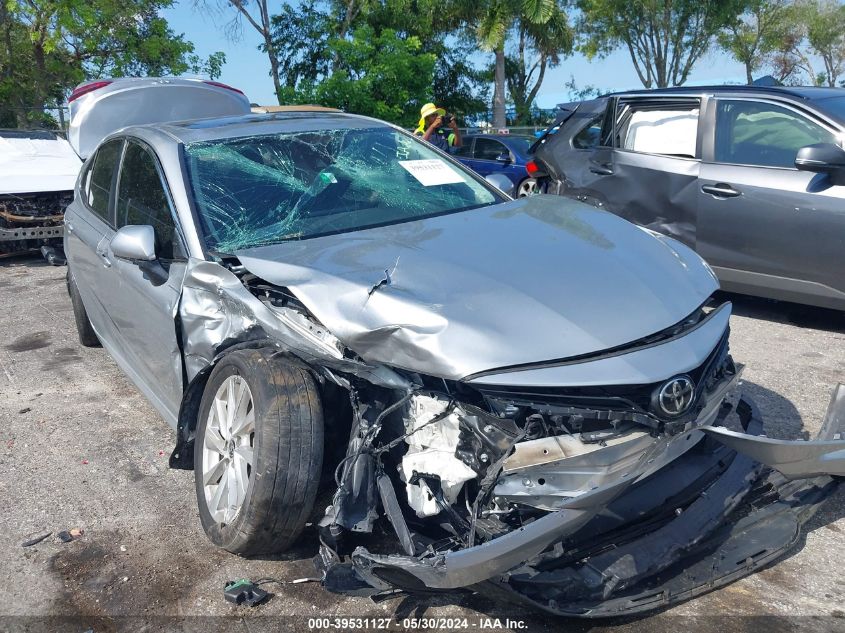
[750, 177]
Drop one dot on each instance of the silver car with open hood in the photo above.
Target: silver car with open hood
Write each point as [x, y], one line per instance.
[528, 394]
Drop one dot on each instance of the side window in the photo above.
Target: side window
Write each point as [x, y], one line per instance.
[659, 128]
[464, 150]
[590, 135]
[488, 149]
[141, 199]
[763, 134]
[100, 177]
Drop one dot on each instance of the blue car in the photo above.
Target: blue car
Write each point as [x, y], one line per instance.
[501, 154]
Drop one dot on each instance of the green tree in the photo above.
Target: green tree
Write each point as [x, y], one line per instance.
[493, 20]
[538, 47]
[380, 75]
[302, 33]
[817, 34]
[51, 45]
[755, 36]
[825, 23]
[312, 36]
[457, 84]
[665, 38]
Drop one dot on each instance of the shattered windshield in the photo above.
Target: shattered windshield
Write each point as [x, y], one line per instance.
[263, 189]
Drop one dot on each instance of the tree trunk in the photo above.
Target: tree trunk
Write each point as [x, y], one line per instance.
[274, 66]
[748, 76]
[499, 120]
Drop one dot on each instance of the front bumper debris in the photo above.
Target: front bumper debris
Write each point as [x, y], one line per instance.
[30, 220]
[711, 516]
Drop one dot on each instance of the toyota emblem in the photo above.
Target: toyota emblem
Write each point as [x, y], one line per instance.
[675, 396]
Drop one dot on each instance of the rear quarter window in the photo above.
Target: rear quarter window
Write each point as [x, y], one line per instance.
[590, 135]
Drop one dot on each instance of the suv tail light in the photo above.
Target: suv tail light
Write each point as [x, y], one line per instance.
[532, 167]
[84, 89]
[222, 85]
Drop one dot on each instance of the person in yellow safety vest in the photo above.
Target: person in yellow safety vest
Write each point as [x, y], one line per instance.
[431, 127]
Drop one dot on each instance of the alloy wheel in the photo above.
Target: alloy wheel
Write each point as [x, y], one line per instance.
[527, 187]
[228, 444]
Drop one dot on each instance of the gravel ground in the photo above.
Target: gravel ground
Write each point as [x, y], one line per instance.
[80, 447]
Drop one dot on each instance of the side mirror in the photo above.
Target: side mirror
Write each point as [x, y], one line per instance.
[503, 158]
[135, 243]
[501, 182]
[823, 158]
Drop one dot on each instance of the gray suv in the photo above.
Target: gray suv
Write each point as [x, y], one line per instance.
[520, 394]
[751, 178]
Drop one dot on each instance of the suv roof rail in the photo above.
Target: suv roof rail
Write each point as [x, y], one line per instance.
[795, 91]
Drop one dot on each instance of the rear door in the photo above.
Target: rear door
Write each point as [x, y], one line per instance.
[765, 227]
[144, 309]
[646, 166]
[89, 227]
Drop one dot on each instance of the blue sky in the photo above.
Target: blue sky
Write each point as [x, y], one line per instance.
[248, 69]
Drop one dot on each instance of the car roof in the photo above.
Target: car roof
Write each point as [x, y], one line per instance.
[508, 139]
[799, 92]
[258, 124]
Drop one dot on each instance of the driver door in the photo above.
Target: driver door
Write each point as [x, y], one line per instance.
[144, 309]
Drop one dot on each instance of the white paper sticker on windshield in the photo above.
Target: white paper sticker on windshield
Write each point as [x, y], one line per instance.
[431, 172]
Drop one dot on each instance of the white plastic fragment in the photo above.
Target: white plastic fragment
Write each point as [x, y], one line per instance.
[431, 450]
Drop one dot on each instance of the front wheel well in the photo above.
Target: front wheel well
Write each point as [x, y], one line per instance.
[182, 458]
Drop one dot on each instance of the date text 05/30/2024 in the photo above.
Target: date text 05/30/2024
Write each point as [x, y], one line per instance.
[450, 624]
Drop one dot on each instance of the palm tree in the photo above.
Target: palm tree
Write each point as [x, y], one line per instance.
[493, 20]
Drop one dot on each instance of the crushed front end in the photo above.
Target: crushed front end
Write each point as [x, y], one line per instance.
[31, 220]
[591, 486]
[585, 501]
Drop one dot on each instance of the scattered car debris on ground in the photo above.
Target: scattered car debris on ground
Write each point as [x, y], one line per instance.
[36, 540]
[71, 535]
[245, 592]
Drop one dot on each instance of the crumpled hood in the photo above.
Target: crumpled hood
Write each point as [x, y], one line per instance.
[531, 280]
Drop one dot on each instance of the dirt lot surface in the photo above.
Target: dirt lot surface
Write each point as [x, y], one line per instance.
[80, 447]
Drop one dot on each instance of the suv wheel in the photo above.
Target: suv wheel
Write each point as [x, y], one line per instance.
[258, 453]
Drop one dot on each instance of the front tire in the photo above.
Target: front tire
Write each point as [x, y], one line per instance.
[258, 453]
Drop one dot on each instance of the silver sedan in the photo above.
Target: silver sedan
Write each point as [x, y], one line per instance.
[514, 388]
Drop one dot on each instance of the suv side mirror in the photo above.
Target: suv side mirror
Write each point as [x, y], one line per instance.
[135, 243]
[823, 158]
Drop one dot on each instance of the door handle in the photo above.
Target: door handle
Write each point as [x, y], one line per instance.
[69, 227]
[104, 256]
[601, 170]
[721, 190]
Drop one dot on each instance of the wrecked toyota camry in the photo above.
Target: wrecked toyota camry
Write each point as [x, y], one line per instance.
[528, 396]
